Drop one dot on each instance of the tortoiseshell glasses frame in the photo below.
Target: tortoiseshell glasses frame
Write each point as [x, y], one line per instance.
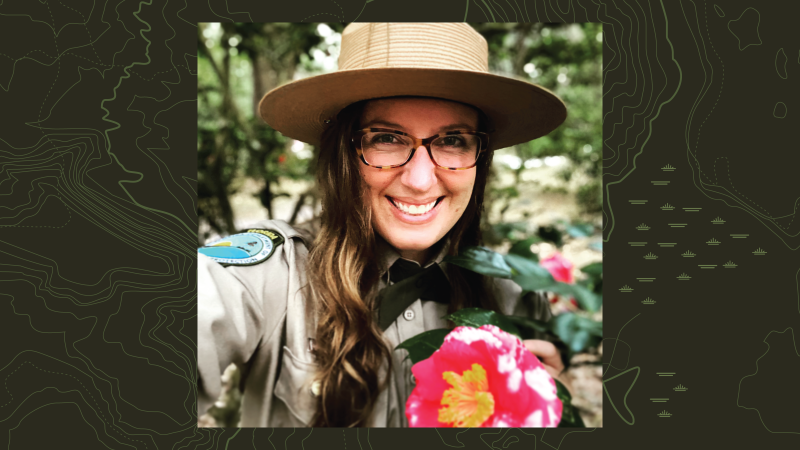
[358, 136]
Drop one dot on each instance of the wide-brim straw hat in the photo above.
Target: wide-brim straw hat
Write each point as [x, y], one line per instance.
[441, 60]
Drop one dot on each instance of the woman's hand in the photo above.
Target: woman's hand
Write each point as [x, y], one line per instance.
[551, 359]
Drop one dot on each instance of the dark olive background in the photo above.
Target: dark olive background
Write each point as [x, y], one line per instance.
[97, 246]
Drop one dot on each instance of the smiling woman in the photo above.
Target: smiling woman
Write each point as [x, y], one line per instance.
[406, 129]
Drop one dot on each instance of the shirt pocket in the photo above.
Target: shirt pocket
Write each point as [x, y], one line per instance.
[293, 388]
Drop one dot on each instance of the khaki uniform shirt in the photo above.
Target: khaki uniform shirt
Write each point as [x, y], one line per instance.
[258, 318]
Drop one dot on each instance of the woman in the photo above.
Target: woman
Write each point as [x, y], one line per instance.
[406, 129]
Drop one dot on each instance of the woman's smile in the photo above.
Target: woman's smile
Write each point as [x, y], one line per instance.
[415, 211]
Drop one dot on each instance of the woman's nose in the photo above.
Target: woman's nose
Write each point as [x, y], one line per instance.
[420, 172]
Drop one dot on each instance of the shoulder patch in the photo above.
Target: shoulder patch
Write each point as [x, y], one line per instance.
[243, 249]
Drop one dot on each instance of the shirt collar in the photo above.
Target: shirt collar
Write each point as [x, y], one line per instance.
[388, 255]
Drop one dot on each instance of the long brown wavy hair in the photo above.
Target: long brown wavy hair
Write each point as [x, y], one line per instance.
[342, 277]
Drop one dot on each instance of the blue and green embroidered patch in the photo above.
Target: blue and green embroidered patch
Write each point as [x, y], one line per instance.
[243, 249]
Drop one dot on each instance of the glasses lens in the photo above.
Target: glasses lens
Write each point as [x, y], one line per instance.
[456, 150]
[381, 148]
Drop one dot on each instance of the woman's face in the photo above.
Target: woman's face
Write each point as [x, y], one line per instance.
[419, 182]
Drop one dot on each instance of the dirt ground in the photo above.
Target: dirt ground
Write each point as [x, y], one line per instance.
[546, 199]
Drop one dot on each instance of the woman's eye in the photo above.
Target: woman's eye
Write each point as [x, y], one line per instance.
[452, 141]
[385, 139]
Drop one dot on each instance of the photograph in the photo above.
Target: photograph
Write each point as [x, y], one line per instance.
[400, 225]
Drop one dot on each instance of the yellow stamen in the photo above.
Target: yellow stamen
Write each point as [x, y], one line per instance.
[468, 403]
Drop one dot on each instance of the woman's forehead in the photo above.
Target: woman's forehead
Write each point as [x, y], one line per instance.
[401, 110]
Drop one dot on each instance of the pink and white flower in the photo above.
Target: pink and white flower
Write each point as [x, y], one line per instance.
[482, 377]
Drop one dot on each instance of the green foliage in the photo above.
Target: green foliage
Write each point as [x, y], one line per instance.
[576, 330]
[590, 196]
[528, 327]
[510, 230]
[566, 59]
[523, 248]
[569, 415]
[587, 299]
[529, 274]
[482, 261]
[226, 412]
[237, 64]
[422, 346]
[594, 269]
[477, 317]
[594, 282]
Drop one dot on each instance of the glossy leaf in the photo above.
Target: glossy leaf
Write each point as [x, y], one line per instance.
[569, 414]
[482, 261]
[529, 274]
[580, 340]
[527, 327]
[478, 317]
[525, 266]
[510, 230]
[576, 331]
[564, 327]
[523, 248]
[594, 269]
[422, 346]
[587, 299]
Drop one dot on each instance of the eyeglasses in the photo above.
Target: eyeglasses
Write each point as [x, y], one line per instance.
[385, 148]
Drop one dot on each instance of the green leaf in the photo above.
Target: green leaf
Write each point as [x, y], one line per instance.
[562, 392]
[527, 326]
[587, 299]
[533, 277]
[422, 346]
[564, 327]
[482, 261]
[529, 274]
[576, 331]
[477, 317]
[594, 269]
[510, 230]
[580, 340]
[580, 230]
[523, 248]
[594, 327]
[569, 414]
[525, 266]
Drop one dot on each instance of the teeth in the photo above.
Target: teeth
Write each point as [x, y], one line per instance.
[414, 209]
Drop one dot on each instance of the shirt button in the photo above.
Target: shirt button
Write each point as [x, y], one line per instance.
[409, 314]
[315, 388]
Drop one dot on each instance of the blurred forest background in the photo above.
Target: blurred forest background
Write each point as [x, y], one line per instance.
[543, 201]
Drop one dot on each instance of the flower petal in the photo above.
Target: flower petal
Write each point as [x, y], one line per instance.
[523, 392]
[423, 413]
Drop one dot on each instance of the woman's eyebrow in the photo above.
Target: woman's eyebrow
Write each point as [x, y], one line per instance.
[386, 123]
